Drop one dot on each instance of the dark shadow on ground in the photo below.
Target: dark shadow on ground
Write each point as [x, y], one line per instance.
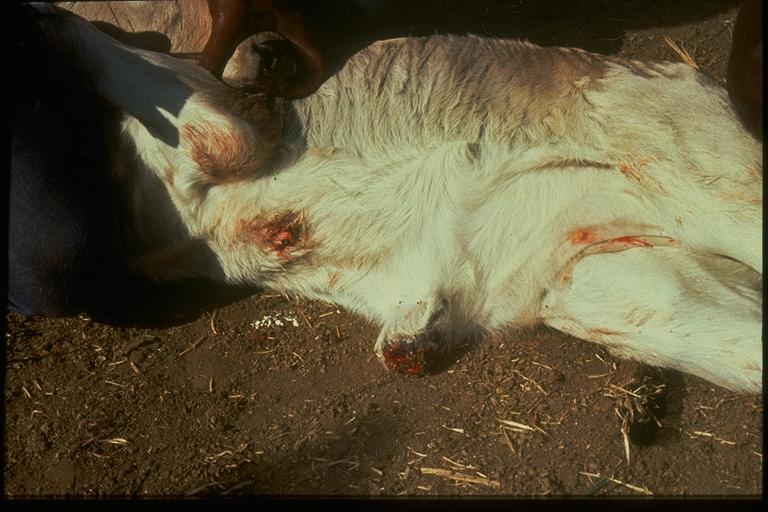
[145, 304]
[449, 359]
[674, 401]
[327, 468]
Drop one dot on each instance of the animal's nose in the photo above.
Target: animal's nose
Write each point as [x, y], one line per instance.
[276, 59]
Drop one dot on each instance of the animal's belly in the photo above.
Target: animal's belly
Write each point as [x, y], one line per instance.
[532, 225]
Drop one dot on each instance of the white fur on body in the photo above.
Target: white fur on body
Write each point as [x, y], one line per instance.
[457, 186]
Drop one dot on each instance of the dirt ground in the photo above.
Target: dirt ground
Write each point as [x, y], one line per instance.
[202, 390]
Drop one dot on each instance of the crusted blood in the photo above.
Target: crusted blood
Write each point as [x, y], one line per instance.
[632, 240]
[582, 236]
[400, 359]
[282, 234]
[629, 171]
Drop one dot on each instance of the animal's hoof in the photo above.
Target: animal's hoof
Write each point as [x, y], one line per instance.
[410, 355]
[405, 358]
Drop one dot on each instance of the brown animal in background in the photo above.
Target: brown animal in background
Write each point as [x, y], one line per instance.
[229, 33]
[745, 66]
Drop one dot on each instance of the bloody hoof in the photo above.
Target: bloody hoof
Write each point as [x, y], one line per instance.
[405, 358]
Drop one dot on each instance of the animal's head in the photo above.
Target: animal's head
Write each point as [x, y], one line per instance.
[183, 199]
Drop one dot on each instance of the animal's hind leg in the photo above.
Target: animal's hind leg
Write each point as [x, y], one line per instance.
[732, 227]
[700, 314]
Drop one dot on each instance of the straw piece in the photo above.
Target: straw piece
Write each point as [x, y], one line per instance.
[681, 52]
[193, 346]
[515, 424]
[643, 490]
[461, 477]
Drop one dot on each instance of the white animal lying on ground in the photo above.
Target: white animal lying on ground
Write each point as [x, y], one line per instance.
[449, 187]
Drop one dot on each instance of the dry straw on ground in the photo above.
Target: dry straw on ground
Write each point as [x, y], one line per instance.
[681, 52]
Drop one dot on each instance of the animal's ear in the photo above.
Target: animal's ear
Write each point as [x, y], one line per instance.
[184, 259]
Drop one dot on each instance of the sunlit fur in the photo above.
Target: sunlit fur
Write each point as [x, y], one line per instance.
[461, 185]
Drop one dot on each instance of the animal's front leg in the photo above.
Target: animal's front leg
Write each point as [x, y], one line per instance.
[667, 307]
[408, 342]
[416, 335]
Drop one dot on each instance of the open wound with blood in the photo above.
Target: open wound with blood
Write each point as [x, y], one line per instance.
[401, 358]
[414, 354]
[282, 234]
